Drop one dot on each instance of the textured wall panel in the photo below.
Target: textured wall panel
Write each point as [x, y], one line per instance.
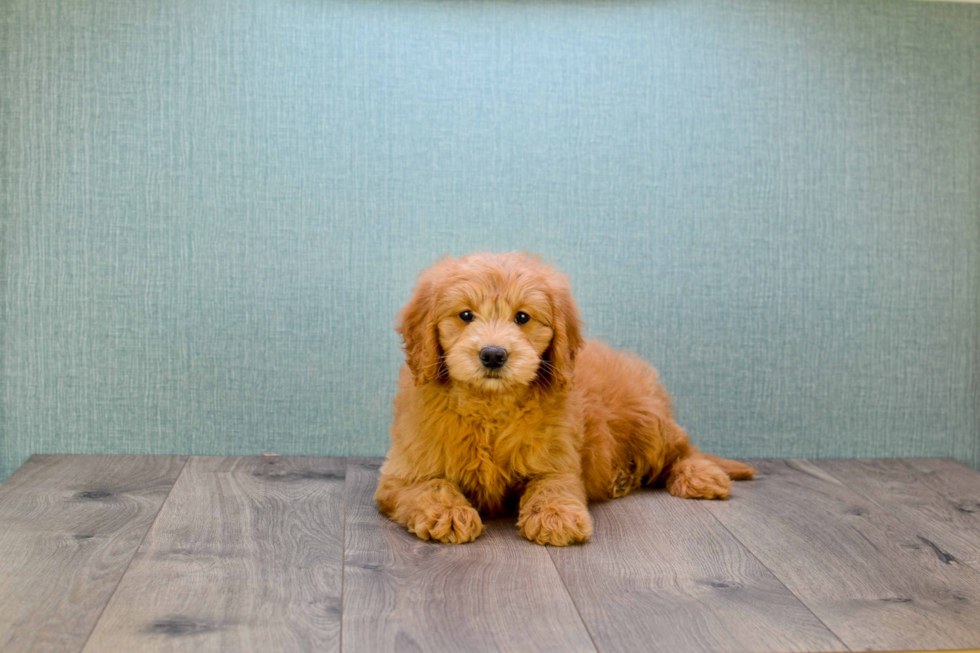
[212, 210]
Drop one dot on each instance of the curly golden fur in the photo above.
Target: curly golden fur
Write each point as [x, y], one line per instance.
[562, 421]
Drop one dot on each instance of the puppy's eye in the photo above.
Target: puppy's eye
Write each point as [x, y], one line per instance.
[522, 317]
[466, 316]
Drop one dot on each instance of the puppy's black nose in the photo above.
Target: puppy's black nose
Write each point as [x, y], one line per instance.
[493, 357]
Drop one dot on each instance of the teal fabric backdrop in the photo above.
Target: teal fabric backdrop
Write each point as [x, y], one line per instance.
[211, 211]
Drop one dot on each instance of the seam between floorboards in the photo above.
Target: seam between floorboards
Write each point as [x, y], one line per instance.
[571, 598]
[343, 557]
[129, 564]
[778, 579]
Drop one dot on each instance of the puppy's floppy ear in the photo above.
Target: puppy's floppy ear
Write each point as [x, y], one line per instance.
[417, 325]
[565, 342]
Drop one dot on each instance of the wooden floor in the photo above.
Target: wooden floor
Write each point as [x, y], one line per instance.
[146, 553]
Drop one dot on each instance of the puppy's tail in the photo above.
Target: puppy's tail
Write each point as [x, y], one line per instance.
[735, 470]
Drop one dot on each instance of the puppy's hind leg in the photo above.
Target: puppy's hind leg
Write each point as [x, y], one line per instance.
[697, 477]
[691, 474]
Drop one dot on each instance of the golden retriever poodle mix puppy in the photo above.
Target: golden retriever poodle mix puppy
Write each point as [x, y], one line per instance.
[502, 406]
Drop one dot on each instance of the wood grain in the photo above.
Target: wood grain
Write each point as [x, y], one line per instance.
[69, 526]
[246, 555]
[957, 482]
[661, 574]
[499, 593]
[875, 580]
[905, 492]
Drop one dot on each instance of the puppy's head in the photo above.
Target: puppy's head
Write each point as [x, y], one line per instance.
[492, 322]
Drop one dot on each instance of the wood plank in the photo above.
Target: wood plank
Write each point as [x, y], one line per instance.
[69, 526]
[246, 555]
[866, 574]
[959, 483]
[498, 593]
[901, 490]
[661, 574]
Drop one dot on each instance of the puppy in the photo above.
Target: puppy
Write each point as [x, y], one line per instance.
[503, 406]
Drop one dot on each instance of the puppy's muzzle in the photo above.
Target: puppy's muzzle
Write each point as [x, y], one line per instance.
[493, 357]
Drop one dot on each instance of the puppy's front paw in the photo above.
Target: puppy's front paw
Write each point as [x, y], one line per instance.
[449, 524]
[558, 524]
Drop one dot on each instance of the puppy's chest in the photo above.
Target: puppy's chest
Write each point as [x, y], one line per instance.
[491, 460]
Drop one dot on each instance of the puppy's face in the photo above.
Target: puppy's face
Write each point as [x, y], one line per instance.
[491, 322]
[493, 336]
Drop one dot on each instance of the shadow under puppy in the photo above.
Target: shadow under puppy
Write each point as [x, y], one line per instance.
[502, 405]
